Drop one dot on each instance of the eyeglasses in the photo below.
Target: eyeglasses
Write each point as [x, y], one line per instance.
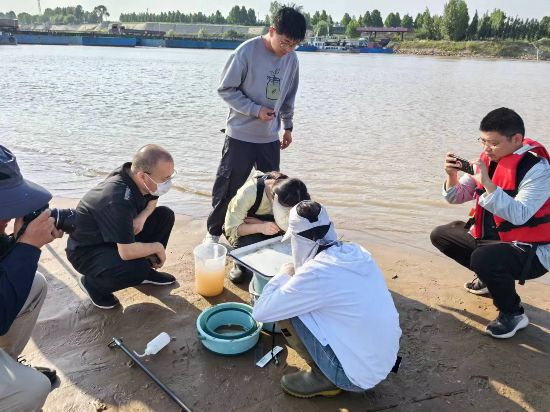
[288, 46]
[485, 143]
[165, 180]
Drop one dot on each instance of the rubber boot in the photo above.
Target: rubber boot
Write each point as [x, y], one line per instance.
[304, 384]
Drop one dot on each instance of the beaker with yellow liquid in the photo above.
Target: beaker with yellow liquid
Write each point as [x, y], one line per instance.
[209, 268]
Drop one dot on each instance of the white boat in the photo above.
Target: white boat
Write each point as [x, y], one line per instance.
[329, 44]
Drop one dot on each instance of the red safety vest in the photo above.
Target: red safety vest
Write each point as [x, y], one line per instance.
[536, 229]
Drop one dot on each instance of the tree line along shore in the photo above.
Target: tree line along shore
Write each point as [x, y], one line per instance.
[505, 49]
[491, 34]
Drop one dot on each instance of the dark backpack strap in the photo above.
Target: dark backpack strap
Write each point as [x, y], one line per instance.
[534, 221]
[260, 187]
[528, 161]
[396, 365]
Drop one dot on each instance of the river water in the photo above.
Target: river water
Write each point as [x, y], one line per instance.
[370, 135]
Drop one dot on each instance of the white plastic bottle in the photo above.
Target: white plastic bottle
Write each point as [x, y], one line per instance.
[154, 346]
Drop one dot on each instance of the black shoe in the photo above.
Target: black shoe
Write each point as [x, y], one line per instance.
[158, 278]
[506, 325]
[477, 287]
[51, 374]
[238, 275]
[108, 301]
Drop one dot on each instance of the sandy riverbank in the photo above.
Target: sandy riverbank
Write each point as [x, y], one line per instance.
[448, 363]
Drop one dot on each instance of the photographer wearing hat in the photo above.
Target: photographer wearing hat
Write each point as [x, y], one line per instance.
[121, 235]
[333, 307]
[22, 288]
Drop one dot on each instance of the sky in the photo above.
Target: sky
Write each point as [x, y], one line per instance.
[522, 8]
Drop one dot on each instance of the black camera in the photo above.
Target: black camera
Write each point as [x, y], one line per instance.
[65, 219]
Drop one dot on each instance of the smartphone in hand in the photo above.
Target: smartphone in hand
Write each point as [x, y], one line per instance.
[464, 165]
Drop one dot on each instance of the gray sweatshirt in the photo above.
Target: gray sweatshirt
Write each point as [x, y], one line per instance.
[254, 77]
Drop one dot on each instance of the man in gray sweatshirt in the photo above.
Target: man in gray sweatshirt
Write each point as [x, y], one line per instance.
[259, 84]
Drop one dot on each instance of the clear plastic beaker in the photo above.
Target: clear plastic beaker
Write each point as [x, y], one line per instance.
[209, 268]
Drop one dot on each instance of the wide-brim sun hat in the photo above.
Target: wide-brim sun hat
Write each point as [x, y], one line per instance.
[18, 196]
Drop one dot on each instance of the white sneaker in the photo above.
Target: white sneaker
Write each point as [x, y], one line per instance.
[477, 287]
[210, 239]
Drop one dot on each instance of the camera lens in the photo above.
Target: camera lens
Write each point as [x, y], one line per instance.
[65, 219]
[33, 215]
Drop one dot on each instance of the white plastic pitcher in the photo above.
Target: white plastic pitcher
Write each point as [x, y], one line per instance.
[209, 268]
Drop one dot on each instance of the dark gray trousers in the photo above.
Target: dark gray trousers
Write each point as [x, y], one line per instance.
[497, 264]
[238, 159]
[103, 267]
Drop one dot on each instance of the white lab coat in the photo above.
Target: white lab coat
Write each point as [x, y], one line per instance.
[342, 298]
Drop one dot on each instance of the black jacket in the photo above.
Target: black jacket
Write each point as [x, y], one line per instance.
[17, 271]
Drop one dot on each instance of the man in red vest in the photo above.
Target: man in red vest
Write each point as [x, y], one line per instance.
[508, 236]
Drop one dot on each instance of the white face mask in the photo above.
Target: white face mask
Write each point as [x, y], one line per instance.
[162, 188]
[280, 213]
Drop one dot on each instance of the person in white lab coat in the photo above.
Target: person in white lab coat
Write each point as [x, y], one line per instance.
[340, 316]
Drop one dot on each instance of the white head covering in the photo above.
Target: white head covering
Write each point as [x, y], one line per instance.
[280, 213]
[303, 248]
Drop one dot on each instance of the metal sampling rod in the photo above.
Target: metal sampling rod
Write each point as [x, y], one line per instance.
[117, 342]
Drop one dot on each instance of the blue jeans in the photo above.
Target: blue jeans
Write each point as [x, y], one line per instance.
[324, 357]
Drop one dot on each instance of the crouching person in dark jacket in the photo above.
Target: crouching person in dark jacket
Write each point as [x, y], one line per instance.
[22, 288]
[120, 235]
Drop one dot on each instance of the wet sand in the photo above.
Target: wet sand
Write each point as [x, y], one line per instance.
[448, 363]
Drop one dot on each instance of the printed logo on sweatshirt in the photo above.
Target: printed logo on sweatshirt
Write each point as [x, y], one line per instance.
[273, 88]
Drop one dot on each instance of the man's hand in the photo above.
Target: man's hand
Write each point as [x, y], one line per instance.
[266, 114]
[161, 254]
[288, 269]
[286, 139]
[451, 167]
[138, 223]
[40, 231]
[483, 176]
[270, 228]
[141, 218]
[3, 225]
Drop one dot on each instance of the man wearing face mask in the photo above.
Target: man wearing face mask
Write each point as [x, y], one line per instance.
[333, 307]
[121, 235]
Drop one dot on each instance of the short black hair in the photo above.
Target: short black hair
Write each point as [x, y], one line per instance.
[309, 209]
[290, 192]
[290, 22]
[504, 121]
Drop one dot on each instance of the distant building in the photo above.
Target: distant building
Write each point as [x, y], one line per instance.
[337, 29]
[375, 30]
[9, 25]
